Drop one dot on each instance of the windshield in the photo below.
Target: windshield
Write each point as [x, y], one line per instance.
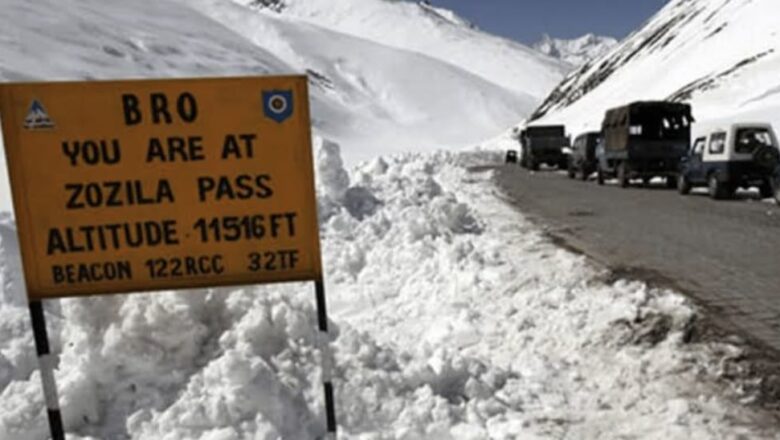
[750, 139]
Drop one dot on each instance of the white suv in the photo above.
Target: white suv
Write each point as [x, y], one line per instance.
[728, 156]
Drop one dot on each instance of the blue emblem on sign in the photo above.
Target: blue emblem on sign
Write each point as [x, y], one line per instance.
[278, 104]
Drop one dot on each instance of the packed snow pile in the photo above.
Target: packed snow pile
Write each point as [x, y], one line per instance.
[435, 32]
[577, 51]
[453, 318]
[720, 55]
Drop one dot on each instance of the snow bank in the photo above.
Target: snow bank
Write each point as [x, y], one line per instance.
[454, 318]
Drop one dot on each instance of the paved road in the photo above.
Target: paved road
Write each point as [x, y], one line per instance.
[725, 254]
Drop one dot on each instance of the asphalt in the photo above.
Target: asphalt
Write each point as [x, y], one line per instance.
[723, 254]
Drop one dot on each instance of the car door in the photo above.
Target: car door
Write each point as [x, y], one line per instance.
[696, 172]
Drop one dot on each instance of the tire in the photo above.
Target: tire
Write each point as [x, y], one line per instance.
[599, 176]
[718, 190]
[683, 185]
[583, 174]
[767, 157]
[622, 175]
[570, 171]
[767, 190]
[671, 182]
[534, 166]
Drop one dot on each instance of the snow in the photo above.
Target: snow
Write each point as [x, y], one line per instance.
[577, 51]
[379, 99]
[372, 98]
[721, 56]
[432, 31]
[453, 316]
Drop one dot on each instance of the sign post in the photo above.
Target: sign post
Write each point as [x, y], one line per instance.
[133, 186]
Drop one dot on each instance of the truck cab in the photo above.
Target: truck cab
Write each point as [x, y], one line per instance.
[727, 156]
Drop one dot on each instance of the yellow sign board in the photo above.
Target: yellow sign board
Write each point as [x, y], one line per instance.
[123, 186]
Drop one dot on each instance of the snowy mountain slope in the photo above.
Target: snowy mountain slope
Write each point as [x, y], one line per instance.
[577, 51]
[371, 98]
[436, 32]
[720, 55]
[417, 101]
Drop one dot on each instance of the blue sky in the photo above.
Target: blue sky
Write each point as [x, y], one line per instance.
[527, 20]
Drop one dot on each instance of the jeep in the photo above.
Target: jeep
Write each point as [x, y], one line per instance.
[582, 160]
[727, 156]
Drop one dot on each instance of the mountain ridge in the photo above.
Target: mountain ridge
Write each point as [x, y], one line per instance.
[721, 56]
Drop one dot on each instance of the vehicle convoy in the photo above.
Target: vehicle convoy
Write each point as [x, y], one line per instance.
[582, 160]
[543, 144]
[727, 156]
[644, 139]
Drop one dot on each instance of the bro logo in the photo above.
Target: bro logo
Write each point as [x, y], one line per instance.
[278, 104]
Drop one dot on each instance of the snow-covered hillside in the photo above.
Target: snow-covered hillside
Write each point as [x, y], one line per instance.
[720, 55]
[373, 98]
[370, 97]
[377, 98]
[577, 51]
[435, 32]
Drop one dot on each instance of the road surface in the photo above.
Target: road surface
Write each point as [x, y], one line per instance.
[724, 254]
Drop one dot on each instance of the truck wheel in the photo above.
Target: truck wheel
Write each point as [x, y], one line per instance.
[599, 176]
[683, 185]
[622, 174]
[718, 190]
[766, 189]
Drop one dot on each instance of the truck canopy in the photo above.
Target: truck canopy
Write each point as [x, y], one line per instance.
[647, 120]
[545, 131]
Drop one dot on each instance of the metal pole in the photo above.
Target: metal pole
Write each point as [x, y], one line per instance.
[327, 359]
[46, 364]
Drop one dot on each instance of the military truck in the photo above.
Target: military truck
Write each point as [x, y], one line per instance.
[644, 139]
[544, 144]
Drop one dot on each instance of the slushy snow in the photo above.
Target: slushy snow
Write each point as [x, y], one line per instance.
[453, 316]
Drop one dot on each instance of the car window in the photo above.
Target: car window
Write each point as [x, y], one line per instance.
[698, 145]
[718, 143]
[750, 139]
